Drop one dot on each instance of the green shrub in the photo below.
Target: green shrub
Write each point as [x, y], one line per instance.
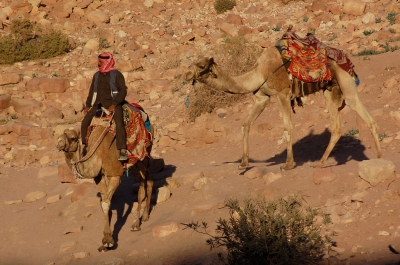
[27, 42]
[382, 136]
[392, 17]
[351, 132]
[280, 232]
[276, 28]
[368, 32]
[221, 6]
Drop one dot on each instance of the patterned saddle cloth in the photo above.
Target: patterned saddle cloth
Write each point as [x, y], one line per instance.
[309, 63]
[138, 137]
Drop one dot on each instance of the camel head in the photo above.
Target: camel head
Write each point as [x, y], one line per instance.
[201, 70]
[68, 141]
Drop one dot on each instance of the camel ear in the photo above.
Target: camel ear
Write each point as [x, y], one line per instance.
[66, 131]
[214, 70]
[212, 61]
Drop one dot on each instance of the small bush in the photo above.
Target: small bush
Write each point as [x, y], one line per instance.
[276, 28]
[368, 32]
[392, 17]
[203, 99]
[351, 132]
[221, 6]
[281, 232]
[382, 136]
[27, 42]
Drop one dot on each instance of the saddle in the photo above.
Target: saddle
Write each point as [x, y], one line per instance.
[138, 137]
[309, 63]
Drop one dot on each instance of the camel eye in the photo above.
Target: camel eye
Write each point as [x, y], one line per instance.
[73, 139]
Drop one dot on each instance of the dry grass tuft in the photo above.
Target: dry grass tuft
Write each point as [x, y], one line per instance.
[235, 56]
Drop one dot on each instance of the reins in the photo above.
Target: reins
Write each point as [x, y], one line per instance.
[92, 150]
[276, 70]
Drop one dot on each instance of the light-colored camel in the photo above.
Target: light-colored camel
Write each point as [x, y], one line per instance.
[101, 163]
[269, 78]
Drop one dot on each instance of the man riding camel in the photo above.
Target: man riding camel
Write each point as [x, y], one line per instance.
[108, 88]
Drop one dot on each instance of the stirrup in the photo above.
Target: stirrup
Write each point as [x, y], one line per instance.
[123, 156]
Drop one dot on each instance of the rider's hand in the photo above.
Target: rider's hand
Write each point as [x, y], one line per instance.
[111, 108]
[85, 110]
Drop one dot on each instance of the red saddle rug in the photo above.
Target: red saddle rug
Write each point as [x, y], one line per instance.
[137, 136]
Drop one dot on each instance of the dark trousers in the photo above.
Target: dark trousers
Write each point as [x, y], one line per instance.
[119, 124]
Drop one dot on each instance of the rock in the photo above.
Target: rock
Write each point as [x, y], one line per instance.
[9, 78]
[48, 85]
[254, 173]
[80, 255]
[98, 16]
[164, 230]
[229, 29]
[383, 233]
[12, 202]
[354, 7]
[375, 171]
[5, 101]
[53, 199]
[163, 194]
[47, 171]
[34, 196]
[271, 177]
[26, 105]
[323, 175]
[198, 184]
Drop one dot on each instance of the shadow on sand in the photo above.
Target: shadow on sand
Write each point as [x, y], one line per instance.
[311, 148]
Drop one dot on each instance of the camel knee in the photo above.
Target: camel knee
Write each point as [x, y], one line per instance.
[105, 206]
[245, 128]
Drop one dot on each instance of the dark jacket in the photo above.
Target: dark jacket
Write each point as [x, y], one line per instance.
[104, 91]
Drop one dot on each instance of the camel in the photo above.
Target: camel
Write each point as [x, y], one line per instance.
[101, 163]
[269, 78]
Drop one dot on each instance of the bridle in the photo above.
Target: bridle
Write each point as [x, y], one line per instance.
[198, 74]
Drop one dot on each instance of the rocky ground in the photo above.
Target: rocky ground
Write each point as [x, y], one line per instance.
[49, 218]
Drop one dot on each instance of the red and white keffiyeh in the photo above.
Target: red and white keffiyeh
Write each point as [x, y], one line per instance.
[107, 62]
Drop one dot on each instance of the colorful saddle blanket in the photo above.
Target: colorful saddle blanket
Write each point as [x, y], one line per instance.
[310, 57]
[138, 138]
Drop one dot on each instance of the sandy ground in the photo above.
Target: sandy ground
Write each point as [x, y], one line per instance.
[38, 233]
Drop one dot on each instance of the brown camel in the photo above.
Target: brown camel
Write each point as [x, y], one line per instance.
[101, 163]
[269, 78]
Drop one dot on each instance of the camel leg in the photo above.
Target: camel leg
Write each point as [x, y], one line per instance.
[333, 101]
[144, 186]
[261, 102]
[352, 99]
[284, 101]
[149, 190]
[106, 192]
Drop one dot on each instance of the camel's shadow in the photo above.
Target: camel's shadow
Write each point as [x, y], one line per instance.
[311, 148]
[126, 195]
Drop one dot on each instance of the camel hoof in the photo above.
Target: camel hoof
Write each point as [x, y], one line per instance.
[243, 167]
[135, 229]
[319, 165]
[102, 249]
[287, 167]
